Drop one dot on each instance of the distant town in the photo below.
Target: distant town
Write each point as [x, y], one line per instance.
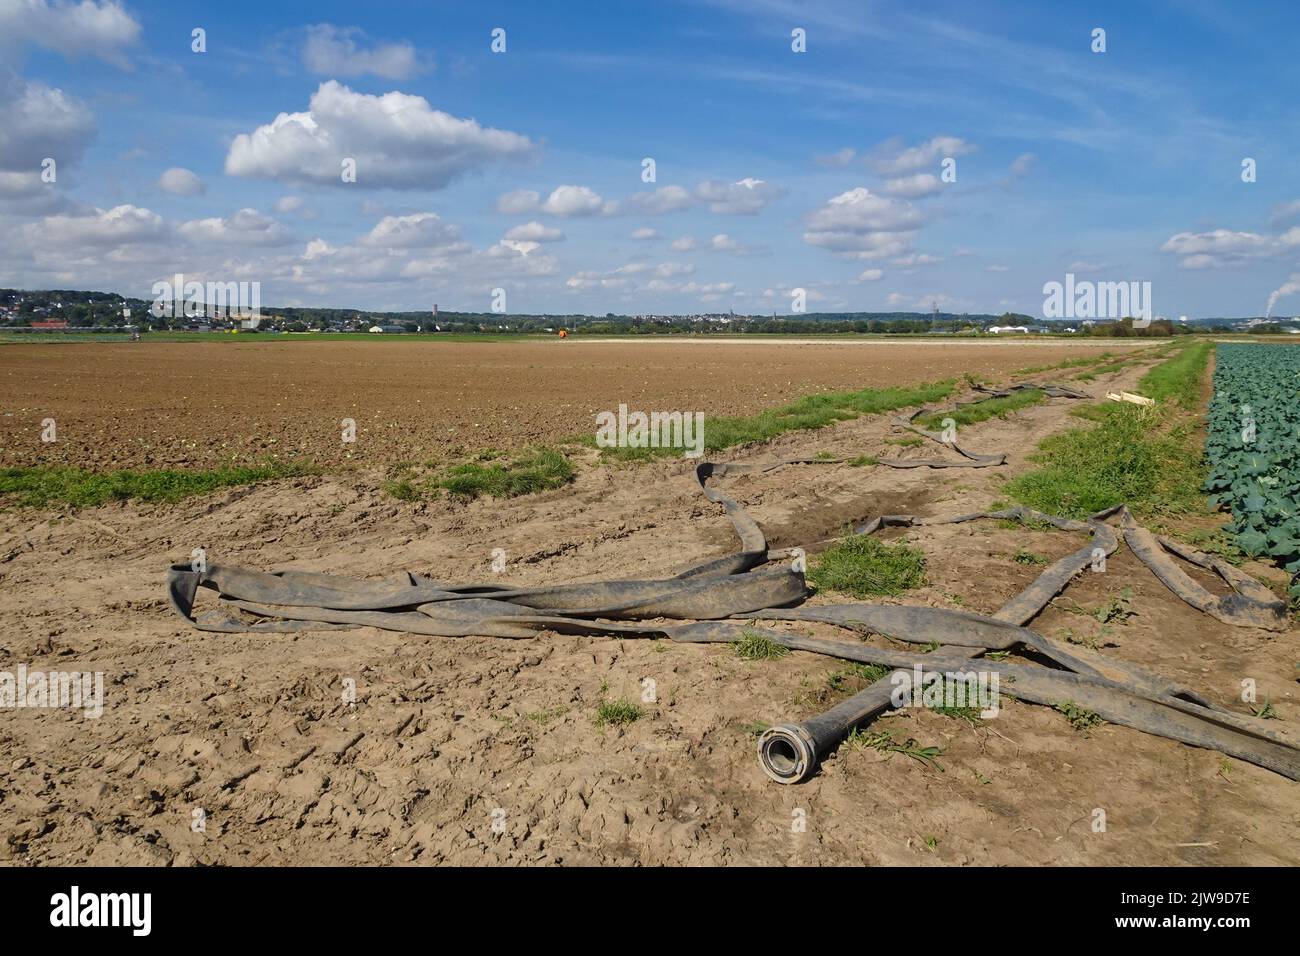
[72, 311]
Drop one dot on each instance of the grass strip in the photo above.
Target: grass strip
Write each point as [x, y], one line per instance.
[1066, 364]
[983, 411]
[36, 487]
[810, 412]
[1149, 458]
[1179, 379]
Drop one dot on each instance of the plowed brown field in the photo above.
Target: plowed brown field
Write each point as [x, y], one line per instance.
[200, 404]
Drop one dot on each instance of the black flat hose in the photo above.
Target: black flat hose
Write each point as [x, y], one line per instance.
[707, 603]
[791, 753]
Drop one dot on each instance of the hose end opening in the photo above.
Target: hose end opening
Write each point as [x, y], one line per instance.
[787, 754]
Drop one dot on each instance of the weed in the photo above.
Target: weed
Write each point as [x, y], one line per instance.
[883, 740]
[757, 646]
[862, 566]
[969, 714]
[546, 716]
[617, 713]
[1028, 557]
[984, 410]
[1266, 712]
[864, 673]
[1080, 718]
[402, 490]
[534, 470]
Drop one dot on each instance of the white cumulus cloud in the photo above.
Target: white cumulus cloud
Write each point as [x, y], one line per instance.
[102, 29]
[892, 158]
[397, 140]
[567, 201]
[534, 232]
[913, 187]
[664, 199]
[181, 182]
[246, 227]
[339, 51]
[121, 225]
[742, 198]
[424, 230]
[39, 121]
[861, 225]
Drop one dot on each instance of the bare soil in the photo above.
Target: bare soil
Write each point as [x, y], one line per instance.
[481, 750]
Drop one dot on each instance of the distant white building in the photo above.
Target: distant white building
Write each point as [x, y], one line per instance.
[999, 329]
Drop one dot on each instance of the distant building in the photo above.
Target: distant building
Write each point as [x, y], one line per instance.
[50, 324]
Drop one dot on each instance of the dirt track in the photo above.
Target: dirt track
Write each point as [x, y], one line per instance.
[206, 403]
[448, 736]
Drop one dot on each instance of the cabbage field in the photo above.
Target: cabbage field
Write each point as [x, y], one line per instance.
[1253, 447]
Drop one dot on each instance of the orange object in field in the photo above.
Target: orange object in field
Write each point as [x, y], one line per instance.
[564, 333]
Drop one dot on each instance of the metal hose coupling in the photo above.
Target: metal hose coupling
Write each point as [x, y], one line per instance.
[787, 753]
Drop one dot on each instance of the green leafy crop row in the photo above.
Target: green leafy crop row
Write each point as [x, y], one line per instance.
[1253, 447]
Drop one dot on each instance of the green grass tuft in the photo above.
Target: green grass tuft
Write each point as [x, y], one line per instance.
[1028, 557]
[755, 646]
[983, 411]
[857, 672]
[617, 713]
[538, 469]
[863, 567]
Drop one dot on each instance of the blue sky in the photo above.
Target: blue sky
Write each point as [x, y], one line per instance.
[774, 169]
